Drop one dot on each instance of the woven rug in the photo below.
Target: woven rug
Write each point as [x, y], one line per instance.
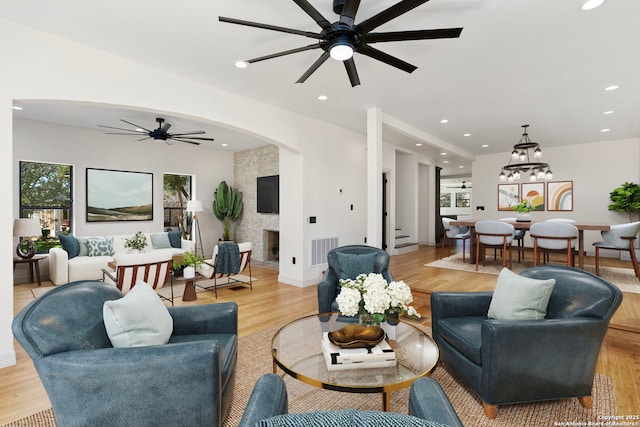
[254, 360]
[623, 278]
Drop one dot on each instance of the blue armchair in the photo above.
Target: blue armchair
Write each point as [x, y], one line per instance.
[188, 381]
[511, 361]
[427, 401]
[347, 262]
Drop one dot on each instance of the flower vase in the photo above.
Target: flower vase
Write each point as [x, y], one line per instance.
[189, 272]
[367, 319]
[523, 216]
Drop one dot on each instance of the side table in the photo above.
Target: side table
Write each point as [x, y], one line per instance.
[32, 262]
[189, 293]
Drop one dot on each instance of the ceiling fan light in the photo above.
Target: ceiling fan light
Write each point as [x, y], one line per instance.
[341, 52]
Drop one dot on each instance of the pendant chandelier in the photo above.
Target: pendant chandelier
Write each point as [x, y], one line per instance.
[521, 161]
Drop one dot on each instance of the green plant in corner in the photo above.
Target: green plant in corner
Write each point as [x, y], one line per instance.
[625, 198]
[227, 207]
[138, 241]
[523, 207]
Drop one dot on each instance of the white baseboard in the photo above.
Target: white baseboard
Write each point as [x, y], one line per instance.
[7, 359]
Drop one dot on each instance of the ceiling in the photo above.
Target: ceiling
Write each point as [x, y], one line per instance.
[545, 63]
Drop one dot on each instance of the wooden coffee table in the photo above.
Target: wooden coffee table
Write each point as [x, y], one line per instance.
[297, 349]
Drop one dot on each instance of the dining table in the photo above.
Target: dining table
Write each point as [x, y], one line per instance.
[525, 225]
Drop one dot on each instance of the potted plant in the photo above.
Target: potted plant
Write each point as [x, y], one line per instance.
[190, 261]
[523, 211]
[625, 198]
[137, 242]
[227, 206]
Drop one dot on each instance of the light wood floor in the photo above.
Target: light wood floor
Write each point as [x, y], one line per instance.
[271, 303]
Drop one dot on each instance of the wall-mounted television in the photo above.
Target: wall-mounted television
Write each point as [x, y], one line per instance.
[268, 194]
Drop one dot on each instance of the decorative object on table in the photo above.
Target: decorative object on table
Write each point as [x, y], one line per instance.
[137, 242]
[508, 196]
[114, 195]
[190, 261]
[356, 336]
[195, 206]
[560, 196]
[523, 211]
[227, 207]
[27, 231]
[524, 163]
[533, 192]
[625, 198]
[370, 297]
[338, 357]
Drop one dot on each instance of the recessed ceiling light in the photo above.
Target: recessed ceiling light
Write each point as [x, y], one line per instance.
[461, 167]
[443, 154]
[323, 97]
[609, 112]
[485, 145]
[605, 130]
[444, 121]
[15, 107]
[241, 64]
[467, 134]
[445, 162]
[224, 144]
[419, 144]
[591, 4]
[612, 87]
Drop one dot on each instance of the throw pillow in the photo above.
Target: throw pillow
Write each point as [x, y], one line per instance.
[352, 265]
[518, 298]
[346, 417]
[138, 319]
[70, 244]
[84, 250]
[100, 246]
[160, 241]
[175, 238]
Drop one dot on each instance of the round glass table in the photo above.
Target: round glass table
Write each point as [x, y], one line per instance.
[297, 350]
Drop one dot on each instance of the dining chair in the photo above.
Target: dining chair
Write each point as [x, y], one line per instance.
[554, 236]
[518, 237]
[494, 234]
[454, 233]
[620, 237]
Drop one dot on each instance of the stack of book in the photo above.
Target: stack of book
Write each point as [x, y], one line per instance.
[337, 358]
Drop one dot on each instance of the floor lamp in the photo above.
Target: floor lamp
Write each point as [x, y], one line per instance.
[195, 206]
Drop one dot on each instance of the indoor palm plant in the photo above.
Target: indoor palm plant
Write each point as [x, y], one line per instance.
[227, 207]
[625, 198]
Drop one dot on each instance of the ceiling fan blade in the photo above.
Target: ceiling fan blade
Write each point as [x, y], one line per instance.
[444, 33]
[126, 130]
[270, 27]
[314, 14]
[193, 137]
[185, 140]
[349, 11]
[195, 132]
[387, 59]
[388, 14]
[350, 66]
[122, 133]
[314, 67]
[286, 52]
[142, 139]
[135, 125]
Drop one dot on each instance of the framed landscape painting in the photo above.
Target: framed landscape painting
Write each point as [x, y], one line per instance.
[508, 196]
[534, 193]
[560, 196]
[114, 195]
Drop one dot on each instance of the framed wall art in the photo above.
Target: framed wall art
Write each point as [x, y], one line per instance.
[560, 196]
[445, 200]
[114, 195]
[508, 196]
[463, 200]
[533, 192]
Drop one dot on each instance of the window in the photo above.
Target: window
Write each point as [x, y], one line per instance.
[45, 194]
[177, 191]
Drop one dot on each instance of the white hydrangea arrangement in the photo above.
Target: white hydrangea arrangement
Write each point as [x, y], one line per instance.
[371, 294]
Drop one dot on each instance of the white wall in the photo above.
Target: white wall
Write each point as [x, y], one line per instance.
[453, 210]
[595, 169]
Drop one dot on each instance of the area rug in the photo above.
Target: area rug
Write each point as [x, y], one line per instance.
[623, 278]
[254, 360]
[178, 287]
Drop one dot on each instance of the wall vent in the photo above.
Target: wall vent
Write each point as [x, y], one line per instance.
[320, 247]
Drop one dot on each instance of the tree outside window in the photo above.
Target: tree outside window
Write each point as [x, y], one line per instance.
[177, 191]
[45, 194]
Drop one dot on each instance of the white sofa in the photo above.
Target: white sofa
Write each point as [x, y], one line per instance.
[63, 269]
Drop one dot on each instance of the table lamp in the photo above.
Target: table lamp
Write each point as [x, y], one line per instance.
[25, 229]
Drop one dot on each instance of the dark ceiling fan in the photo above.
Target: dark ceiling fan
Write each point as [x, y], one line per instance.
[162, 133]
[341, 39]
[463, 186]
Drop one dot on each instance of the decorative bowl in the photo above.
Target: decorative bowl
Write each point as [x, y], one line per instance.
[357, 336]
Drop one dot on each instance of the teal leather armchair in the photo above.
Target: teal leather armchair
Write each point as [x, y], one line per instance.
[188, 381]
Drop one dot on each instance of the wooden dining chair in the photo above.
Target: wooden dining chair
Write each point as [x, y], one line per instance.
[494, 234]
[554, 236]
[621, 237]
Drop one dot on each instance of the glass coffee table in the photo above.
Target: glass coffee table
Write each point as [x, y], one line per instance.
[297, 350]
